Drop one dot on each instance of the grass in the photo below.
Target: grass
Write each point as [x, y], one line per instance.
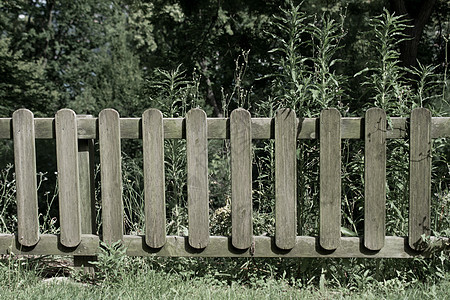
[139, 278]
[144, 282]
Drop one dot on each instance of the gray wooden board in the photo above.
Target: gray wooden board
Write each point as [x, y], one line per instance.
[285, 178]
[25, 169]
[174, 128]
[241, 178]
[197, 178]
[111, 176]
[87, 127]
[419, 176]
[375, 179]
[87, 185]
[264, 246]
[87, 200]
[154, 184]
[220, 246]
[440, 127]
[49, 244]
[330, 178]
[68, 177]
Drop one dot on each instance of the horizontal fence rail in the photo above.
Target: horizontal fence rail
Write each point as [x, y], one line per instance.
[75, 135]
[219, 128]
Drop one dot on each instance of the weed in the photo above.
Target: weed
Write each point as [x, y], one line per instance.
[112, 263]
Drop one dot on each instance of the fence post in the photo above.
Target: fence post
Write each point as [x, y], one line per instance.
[87, 196]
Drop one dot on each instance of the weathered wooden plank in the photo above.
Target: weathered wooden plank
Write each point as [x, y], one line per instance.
[220, 246]
[86, 167]
[68, 177]
[197, 178]
[111, 176]
[330, 178]
[87, 127]
[26, 185]
[262, 128]
[174, 128]
[419, 176]
[440, 127]
[45, 128]
[264, 246]
[375, 179]
[130, 128]
[86, 171]
[218, 128]
[49, 244]
[241, 178]
[285, 178]
[154, 183]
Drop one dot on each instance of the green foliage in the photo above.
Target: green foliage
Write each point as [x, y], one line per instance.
[173, 93]
[386, 81]
[8, 212]
[8, 217]
[327, 87]
[112, 263]
[294, 78]
[23, 83]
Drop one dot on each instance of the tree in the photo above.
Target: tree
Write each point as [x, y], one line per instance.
[418, 12]
[23, 83]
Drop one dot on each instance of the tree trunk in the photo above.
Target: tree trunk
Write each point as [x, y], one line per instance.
[210, 94]
[418, 13]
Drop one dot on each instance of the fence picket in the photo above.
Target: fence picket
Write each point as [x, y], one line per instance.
[285, 178]
[154, 183]
[26, 185]
[241, 178]
[68, 177]
[330, 178]
[419, 176]
[375, 179]
[111, 175]
[86, 169]
[197, 178]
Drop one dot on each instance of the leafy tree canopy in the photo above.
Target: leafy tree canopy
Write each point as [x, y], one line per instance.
[89, 55]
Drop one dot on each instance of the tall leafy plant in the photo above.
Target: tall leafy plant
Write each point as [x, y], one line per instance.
[385, 80]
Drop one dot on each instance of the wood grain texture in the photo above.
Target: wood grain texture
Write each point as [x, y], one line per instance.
[25, 169]
[68, 177]
[330, 178]
[419, 176]
[375, 179]
[264, 246]
[440, 127]
[197, 178]
[174, 128]
[111, 175]
[154, 183]
[241, 178]
[285, 178]
[86, 171]
[220, 246]
[49, 244]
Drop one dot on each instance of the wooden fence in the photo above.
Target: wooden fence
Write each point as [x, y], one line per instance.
[74, 143]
